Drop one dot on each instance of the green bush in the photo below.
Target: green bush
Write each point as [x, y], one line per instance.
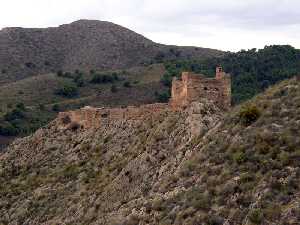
[103, 78]
[127, 84]
[239, 157]
[162, 97]
[78, 80]
[59, 73]
[166, 80]
[67, 90]
[249, 114]
[256, 216]
[14, 114]
[21, 106]
[7, 129]
[56, 108]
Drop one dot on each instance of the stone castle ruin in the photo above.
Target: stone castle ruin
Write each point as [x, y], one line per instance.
[194, 87]
[191, 88]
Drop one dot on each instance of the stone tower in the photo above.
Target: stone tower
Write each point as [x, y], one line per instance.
[194, 87]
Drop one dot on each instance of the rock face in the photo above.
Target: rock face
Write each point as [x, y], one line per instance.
[84, 45]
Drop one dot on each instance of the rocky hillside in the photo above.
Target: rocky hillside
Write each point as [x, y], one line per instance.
[84, 45]
[192, 167]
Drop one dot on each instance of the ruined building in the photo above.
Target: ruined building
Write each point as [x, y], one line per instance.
[192, 87]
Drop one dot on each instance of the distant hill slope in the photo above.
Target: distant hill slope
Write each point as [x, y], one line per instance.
[134, 86]
[242, 168]
[84, 45]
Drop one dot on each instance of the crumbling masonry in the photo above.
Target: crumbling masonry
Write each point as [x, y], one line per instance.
[192, 87]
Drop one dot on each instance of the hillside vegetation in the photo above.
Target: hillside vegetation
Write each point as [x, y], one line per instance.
[239, 168]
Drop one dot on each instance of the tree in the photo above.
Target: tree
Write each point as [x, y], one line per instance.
[67, 90]
[21, 106]
[127, 84]
[79, 80]
[55, 108]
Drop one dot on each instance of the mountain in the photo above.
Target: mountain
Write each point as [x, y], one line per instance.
[242, 167]
[83, 45]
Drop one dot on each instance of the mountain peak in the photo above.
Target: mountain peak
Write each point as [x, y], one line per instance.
[85, 45]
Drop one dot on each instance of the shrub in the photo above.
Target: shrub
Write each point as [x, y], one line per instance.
[21, 106]
[197, 199]
[239, 157]
[160, 56]
[78, 79]
[166, 80]
[59, 73]
[30, 65]
[272, 211]
[55, 108]
[162, 97]
[103, 78]
[67, 90]
[7, 129]
[127, 84]
[256, 216]
[115, 76]
[47, 63]
[14, 114]
[249, 114]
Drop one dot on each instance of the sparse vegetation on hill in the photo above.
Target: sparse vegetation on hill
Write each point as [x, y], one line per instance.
[154, 171]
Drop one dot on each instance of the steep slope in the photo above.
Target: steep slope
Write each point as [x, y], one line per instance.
[242, 168]
[84, 45]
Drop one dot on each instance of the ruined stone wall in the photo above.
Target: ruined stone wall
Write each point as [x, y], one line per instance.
[89, 117]
[194, 87]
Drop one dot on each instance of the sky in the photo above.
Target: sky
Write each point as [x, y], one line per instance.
[229, 25]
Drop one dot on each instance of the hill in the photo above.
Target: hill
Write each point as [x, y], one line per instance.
[41, 97]
[82, 45]
[242, 168]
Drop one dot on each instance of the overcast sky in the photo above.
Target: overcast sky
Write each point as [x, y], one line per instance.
[223, 24]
